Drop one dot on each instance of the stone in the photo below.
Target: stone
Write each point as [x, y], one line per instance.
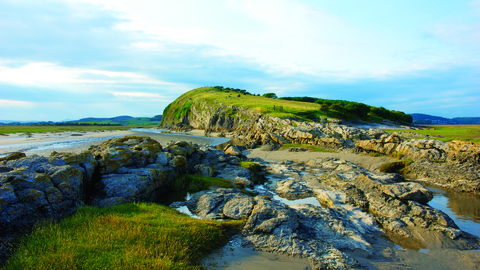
[204, 169]
[239, 207]
[232, 150]
[293, 190]
[13, 156]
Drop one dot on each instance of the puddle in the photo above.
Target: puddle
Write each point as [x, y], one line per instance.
[234, 256]
[184, 210]
[309, 200]
[463, 208]
[271, 184]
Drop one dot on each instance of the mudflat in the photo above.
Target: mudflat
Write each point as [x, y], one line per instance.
[44, 143]
[368, 162]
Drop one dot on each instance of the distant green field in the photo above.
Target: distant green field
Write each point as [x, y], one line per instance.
[469, 133]
[41, 129]
[135, 121]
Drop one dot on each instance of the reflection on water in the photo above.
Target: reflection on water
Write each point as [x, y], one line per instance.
[463, 208]
[402, 242]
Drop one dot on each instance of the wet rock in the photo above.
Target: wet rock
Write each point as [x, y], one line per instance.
[408, 191]
[239, 207]
[293, 190]
[204, 169]
[220, 204]
[273, 227]
[237, 173]
[13, 156]
[233, 150]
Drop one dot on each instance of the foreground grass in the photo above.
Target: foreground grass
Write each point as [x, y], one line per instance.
[311, 148]
[128, 236]
[42, 129]
[446, 133]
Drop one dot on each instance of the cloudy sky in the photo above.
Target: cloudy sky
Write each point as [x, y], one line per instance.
[69, 59]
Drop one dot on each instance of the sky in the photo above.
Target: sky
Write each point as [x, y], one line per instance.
[66, 59]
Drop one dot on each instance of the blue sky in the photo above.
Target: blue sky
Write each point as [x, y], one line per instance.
[65, 59]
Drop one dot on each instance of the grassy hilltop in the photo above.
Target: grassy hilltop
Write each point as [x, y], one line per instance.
[300, 108]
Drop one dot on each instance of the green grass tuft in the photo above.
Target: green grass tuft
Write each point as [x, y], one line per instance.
[311, 148]
[399, 167]
[252, 166]
[128, 236]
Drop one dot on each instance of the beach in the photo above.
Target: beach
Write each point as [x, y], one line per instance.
[44, 143]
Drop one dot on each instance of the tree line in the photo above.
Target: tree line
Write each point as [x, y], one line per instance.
[349, 108]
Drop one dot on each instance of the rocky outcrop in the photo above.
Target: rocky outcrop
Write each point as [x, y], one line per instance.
[356, 206]
[36, 188]
[454, 164]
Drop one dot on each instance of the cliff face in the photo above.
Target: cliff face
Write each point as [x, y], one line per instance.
[218, 117]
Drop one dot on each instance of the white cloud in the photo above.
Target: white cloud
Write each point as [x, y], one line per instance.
[139, 95]
[43, 74]
[283, 36]
[15, 103]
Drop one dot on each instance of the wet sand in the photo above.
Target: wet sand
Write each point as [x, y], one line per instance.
[368, 162]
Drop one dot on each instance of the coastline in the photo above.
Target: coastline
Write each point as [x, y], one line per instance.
[44, 143]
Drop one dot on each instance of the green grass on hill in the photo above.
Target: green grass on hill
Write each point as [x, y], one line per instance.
[128, 236]
[40, 129]
[283, 107]
[273, 107]
[470, 133]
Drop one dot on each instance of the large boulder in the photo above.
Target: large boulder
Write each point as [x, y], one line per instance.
[33, 190]
[129, 151]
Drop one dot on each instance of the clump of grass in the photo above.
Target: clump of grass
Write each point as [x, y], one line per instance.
[128, 236]
[196, 183]
[257, 170]
[252, 166]
[398, 155]
[311, 148]
[399, 167]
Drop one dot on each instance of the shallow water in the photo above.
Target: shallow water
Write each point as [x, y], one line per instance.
[463, 208]
[50, 145]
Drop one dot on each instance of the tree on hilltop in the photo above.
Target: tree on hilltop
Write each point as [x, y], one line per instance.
[270, 95]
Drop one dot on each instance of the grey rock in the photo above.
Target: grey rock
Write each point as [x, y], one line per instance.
[204, 169]
[238, 207]
[292, 190]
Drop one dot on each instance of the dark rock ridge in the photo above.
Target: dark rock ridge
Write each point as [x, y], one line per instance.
[453, 164]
